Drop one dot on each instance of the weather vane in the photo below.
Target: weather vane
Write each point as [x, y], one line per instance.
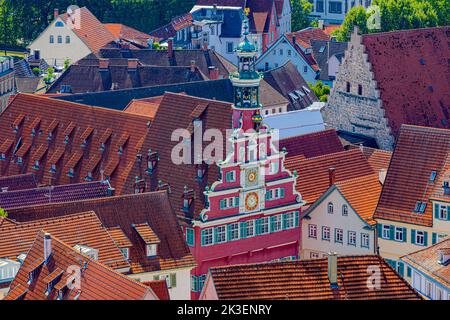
[247, 11]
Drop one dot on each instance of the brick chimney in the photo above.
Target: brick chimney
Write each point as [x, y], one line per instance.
[332, 176]
[332, 269]
[133, 64]
[55, 13]
[103, 64]
[170, 48]
[205, 46]
[47, 246]
[294, 39]
[213, 73]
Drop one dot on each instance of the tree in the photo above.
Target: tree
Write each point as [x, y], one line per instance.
[3, 213]
[320, 90]
[357, 16]
[300, 14]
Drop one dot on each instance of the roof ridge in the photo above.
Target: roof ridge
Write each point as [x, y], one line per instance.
[385, 33]
[352, 180]
[329, 155]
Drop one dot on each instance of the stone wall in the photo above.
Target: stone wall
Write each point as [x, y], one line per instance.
[354, 112]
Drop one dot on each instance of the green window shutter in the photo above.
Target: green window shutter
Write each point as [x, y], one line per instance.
[222, 204]
[190, 237]
[281, 192]
[433, 238]
[243, 227]
[227, 176]
[401, 268]
[258, 226]
[194, 284]
[436, 210]
[425, 237]
[268, 195]
[404, 234]
[272, 224]
[391, 232]
[229, 232]
[284, 221]
[173, 280]
[296, 217]
[216, 234]
[413, 236]
[379, 230]
[236, 201]
[203, 238]
[448, 213]
[408, 271]
[155, 277]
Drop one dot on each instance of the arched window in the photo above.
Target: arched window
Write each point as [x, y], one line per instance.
[252, 148]
[59, 24]
[52, 39]
[67, 39]
[330, 207]
[344, 210]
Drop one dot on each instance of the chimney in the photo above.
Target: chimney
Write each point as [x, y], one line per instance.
[321, 25]
[213, 73]
[205, 46]
[382, 175]
[132, 64]
[193, 66]
[294, 39]
[103, 64]
[170, 48]
[56, 13]
[444, 256]
[47, 246]
[332, 269]
[332, 176]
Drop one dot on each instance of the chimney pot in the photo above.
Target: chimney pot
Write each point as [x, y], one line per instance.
[332, 176]
[332, 269]
[213, 73]
[193, 66]
[56, 13]
[47, 246]
[170, 47]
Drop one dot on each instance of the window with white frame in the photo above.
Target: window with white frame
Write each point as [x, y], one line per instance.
[314, 255]
[420, 238]
[326, 233]
[312, 231]
[339, 235]
[364, 240]
[439, 294]
[230, 47]
[233, 231]
[229, 203]
[344, 210]
[221, 234]
[151, 250]
[275, 194]
[276, 223]
[230, 176]
[428, 288]
[250, 228]
[262, 151]
[443, 214]
[352, 238]
[386, 234]
[330, 207]
[125, 252]
[264, 225]
[207, 237]
[399, 234]
[241, 154]
[274, 166]
[289, 222]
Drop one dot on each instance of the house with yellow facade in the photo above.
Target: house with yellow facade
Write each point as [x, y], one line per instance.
[413, 212]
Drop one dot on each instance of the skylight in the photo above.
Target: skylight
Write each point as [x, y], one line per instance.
[433, 176]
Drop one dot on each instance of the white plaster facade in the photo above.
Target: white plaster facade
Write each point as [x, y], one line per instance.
[334, 11]
[66, 44]
[319, 216]
[284, 18]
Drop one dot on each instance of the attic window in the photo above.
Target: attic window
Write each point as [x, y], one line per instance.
[433, 176]
[422, 61]
[322, 49]
[66, 89]
[59, 24]
[151, 250]
[348, 87]
[420, 207]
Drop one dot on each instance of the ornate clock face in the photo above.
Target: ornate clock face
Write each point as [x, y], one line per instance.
[251, 177]
[251, 201]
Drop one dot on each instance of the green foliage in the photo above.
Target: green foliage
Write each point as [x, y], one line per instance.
[397, 15]
[3, 213]
[300, 14]
[156, 46]
[66, 64]
[36, 71]
[50, 75]
[320, 90]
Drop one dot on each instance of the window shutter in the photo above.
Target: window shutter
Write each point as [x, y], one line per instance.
[425, 240]
[436, 210]
[391, 232]
[272, 224]
[408, 271]
[258, 226]
[222, 204]
[433, 238]
[413, 236]
[296, 217]
[380, 230]
[203, 237]
[216, 234]
[243, 226]
[194, 284]
[448, 213]
[401, 268]
[284, 221]
[268, 195]
[282, 193]
[236, 201]
[404, 234]
[229, 232]
[155, 277]
[173, 280]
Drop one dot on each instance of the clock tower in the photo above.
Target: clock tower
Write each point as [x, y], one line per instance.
[252, 212]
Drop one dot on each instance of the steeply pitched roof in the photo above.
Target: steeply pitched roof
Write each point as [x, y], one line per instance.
[323, 50]
[289, 82]
[159, 287]
[146, 106]
[427, 262]
[87, 76]
[64, 193]
[123, 212]
[412, 72]
[305, 36]
[313, 144]
[54, 120]
[378, 159]
[313, 174]
[419, 152]
[308, 280]
[78, 228]
[124, 32]
[169, 30]
[27, 84]
[97, 282]
[18, 182]
[89, 29]
[362, 194]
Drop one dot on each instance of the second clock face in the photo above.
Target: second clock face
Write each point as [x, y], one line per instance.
[252, 177]
[251, 201]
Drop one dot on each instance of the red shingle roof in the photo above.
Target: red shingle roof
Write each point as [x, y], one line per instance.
[159, 287]
[68, 151]
[313, 174]
[89, 29]
[97, 282]
[419, 152]
[122, 212]
[124, 32]
[411, 68]
[378, 159]
[79, 228]
[304, 37]
[308, 280]
[313, 144]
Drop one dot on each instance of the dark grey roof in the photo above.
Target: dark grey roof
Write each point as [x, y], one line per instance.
[23, 69]
[357, 139]
[232, 21]
[118, 99]
[27, 84]
[323, 50]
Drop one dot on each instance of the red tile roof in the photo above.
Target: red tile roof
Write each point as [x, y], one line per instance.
[78, 228]
[412, 72]
[122, 212]
[304, 37]
[147, 107]
[124, 32]
[313, 177]
[419, 152]
[57, 117]
[18, 182]
[159, 287]
[97, 282]
[89, 29]
[65, 193]
[378, 159]
[308, 280]
[313, 144]
[427, 262]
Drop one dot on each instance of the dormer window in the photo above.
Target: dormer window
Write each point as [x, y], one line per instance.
[120, 151]
[102, 147]
[445, 186]
[19, 160]
[151, 250]
[84, 144]
[71, 173]
[89, 177]
[125, 252]
[33, 132]
[66, 139]
[53, 168]
[420, 207]
[2, 156]
[152, 161]
[230, 176]
[36, 165]
[49, 136]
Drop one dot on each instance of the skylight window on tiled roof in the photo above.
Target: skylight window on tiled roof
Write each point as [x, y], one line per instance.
[420, 207]
[85, 136]
[18, 122]
[51, 129]
[433, 176]
[52, 279]
[35, 126]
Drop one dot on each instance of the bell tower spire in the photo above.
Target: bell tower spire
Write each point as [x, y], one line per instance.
[246, 82]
